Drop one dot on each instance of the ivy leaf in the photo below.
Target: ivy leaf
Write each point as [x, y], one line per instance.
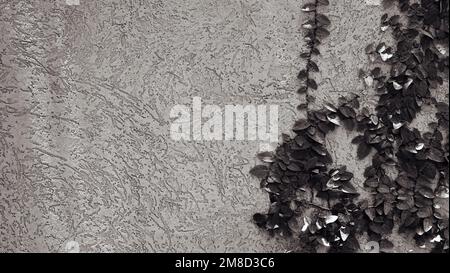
[302, 75]
[310, 24]
[260, 171]
[315, 51]
[305, 55]
[363, 150]
[312, 84]
[302, 90]
[313, 66]
[309, 36]
[322, 32]
[301, 124]
[323, 20]
[294, 167]
[323, 2]
[267, 157]
[302, 106]
[309, 7]
[348, 188]
[358, 139]
[347, 112]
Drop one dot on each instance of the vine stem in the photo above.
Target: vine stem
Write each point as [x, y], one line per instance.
[311, 49]
[317, 206]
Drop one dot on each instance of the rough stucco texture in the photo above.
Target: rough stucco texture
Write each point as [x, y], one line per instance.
[86, 91]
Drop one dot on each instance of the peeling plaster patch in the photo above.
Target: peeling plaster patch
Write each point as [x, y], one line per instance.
[267, 147]
[73, 2]
[72, 247]
[373, 2]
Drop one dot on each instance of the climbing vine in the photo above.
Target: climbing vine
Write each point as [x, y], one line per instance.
[316, 30]
[320, 205]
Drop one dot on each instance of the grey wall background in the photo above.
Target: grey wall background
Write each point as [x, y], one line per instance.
[86, 90]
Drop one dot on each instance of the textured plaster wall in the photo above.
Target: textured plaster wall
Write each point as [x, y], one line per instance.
[85, 96]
